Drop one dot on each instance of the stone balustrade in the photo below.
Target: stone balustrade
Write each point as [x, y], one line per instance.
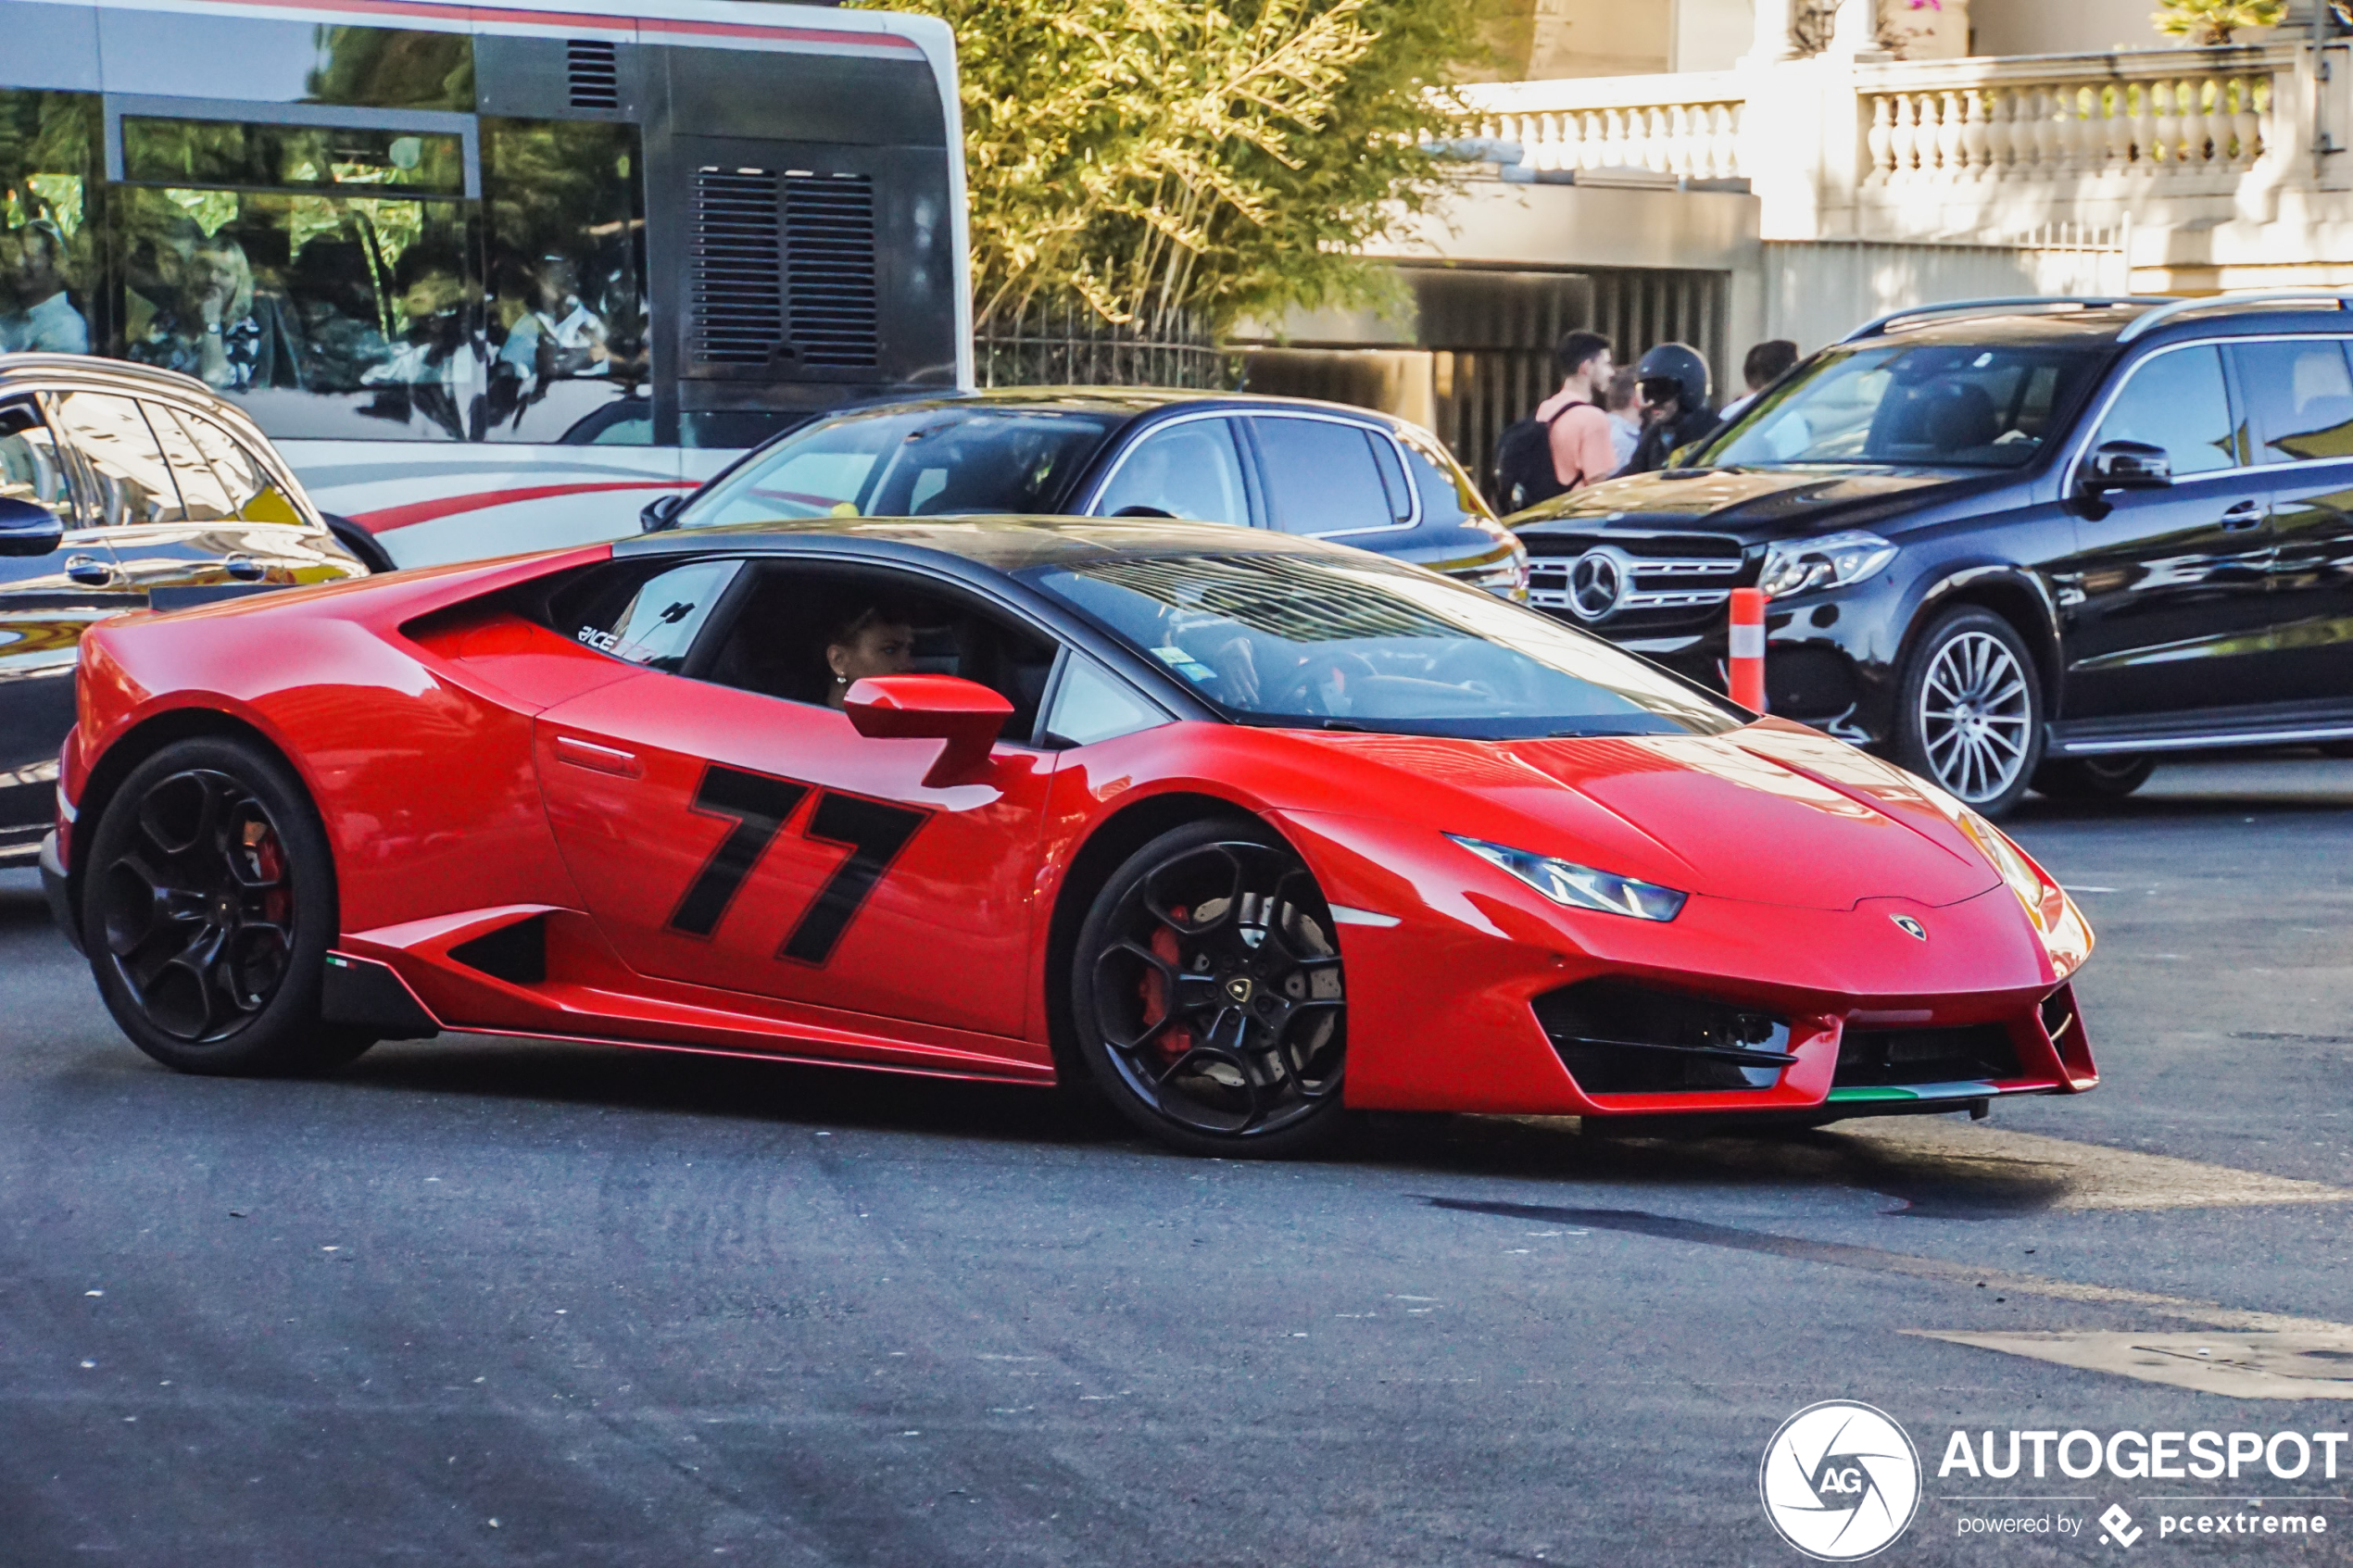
[1686, 125]
[2170, 116]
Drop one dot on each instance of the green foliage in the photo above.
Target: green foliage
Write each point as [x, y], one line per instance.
[1165, 160]
[2213, 21]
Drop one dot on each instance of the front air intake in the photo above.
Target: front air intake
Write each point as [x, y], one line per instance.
[594, 71]
[1621, 1039]
[736, 274]
[1878, 1059]
[830, 257]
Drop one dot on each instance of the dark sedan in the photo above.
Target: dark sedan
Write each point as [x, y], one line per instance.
[1349, 475]
[121, 488]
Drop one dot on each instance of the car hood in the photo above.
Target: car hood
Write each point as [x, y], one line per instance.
[1772, 813]
[1760, 502]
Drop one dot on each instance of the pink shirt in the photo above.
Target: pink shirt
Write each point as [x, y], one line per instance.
[1582, 452]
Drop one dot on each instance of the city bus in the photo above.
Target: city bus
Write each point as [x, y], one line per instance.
[492, 277]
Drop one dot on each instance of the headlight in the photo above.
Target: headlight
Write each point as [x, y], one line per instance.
[2065, 937]
[1580, 887]
[1799, 566]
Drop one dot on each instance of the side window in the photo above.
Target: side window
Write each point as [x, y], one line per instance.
[32, 468]
[1321, 475]
[326, 278]
[47, 257]
[1447, 494]
[1190, 470]
[2300, 396]
[2176, 401]
[567, 299]
[134, 481]
[253, 494]
[1090, 704]
[647, 616]
[805, 633]
[202, 495]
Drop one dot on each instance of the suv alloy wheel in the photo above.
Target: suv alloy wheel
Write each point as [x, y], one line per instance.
[1970, 717]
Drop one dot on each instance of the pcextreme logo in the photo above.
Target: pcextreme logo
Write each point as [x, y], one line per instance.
[1839, 1481]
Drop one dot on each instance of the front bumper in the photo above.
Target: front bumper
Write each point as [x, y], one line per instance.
[58, 891]
[1444, 1003]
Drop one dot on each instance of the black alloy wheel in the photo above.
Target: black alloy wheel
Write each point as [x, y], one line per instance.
[1207, 993]
[208, 905]
[1970, 715]
[2093, 778]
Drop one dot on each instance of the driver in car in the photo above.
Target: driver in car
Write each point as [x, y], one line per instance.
[876, 638]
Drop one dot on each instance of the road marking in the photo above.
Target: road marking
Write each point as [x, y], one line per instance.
[1878, 1260]
[2084, 1175]
[2311, 1363]
[2258, 1355]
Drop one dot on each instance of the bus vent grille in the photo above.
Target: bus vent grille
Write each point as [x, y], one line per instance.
[829, 251]
[737, 274]
[595, 74]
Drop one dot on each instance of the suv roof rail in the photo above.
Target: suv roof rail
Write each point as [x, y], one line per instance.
[1880, 325]
[2141, 325]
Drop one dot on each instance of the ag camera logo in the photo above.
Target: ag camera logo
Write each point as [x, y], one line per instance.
[1839, 1481]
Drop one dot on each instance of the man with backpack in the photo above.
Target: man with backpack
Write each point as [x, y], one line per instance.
[1566, 443]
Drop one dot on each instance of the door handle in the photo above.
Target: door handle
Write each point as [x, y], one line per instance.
[2245, 514]
[89, 571]
[598, 759]
[244, 569]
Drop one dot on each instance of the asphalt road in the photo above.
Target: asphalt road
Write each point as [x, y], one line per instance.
[491, 1303]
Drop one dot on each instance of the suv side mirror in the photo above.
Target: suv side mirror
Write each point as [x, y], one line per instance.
[965, 714]
[27, 529]
[660, 514]
[2126, 465]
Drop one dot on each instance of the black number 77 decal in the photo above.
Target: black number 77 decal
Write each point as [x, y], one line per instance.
[872, 831]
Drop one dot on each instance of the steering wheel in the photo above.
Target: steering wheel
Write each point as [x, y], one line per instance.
[1291, 696]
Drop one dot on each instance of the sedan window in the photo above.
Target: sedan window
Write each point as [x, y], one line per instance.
[919, 463]
[32, 468]
[1190, 470]
[1322, 476]
[134, 481]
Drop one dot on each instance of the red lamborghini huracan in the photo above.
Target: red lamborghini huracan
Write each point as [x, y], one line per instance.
[1240, 829]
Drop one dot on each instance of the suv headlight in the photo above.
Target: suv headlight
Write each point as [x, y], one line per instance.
[1580, 887]
[1799, 566]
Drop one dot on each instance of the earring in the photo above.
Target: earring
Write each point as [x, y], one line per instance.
[841, 679]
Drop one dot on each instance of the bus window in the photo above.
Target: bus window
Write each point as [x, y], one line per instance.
[45, 246]
[567, 302]
[328, 315]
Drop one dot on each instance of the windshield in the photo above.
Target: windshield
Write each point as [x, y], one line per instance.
[926, 462]
[1930, 404]
[1368, 644]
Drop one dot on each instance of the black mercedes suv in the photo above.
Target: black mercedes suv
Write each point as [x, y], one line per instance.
[2013, 543]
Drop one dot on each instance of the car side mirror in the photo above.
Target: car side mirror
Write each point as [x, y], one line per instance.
[2126, 465]
[660, 514]
[965, 714]
[27, 529]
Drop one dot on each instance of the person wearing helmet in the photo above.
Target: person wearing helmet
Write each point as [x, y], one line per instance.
[1676, 406]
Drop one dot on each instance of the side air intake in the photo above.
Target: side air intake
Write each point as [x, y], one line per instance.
[595, 71]
[737, 273]
[516, 953]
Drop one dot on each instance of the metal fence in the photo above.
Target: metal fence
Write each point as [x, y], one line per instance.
[1070, 346]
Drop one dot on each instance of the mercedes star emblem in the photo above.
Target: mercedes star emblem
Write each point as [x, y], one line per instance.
[1596, 584]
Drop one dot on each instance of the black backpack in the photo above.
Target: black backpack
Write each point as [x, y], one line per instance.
[1523, 472]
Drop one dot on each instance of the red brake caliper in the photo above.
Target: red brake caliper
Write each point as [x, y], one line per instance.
[1154, 989]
